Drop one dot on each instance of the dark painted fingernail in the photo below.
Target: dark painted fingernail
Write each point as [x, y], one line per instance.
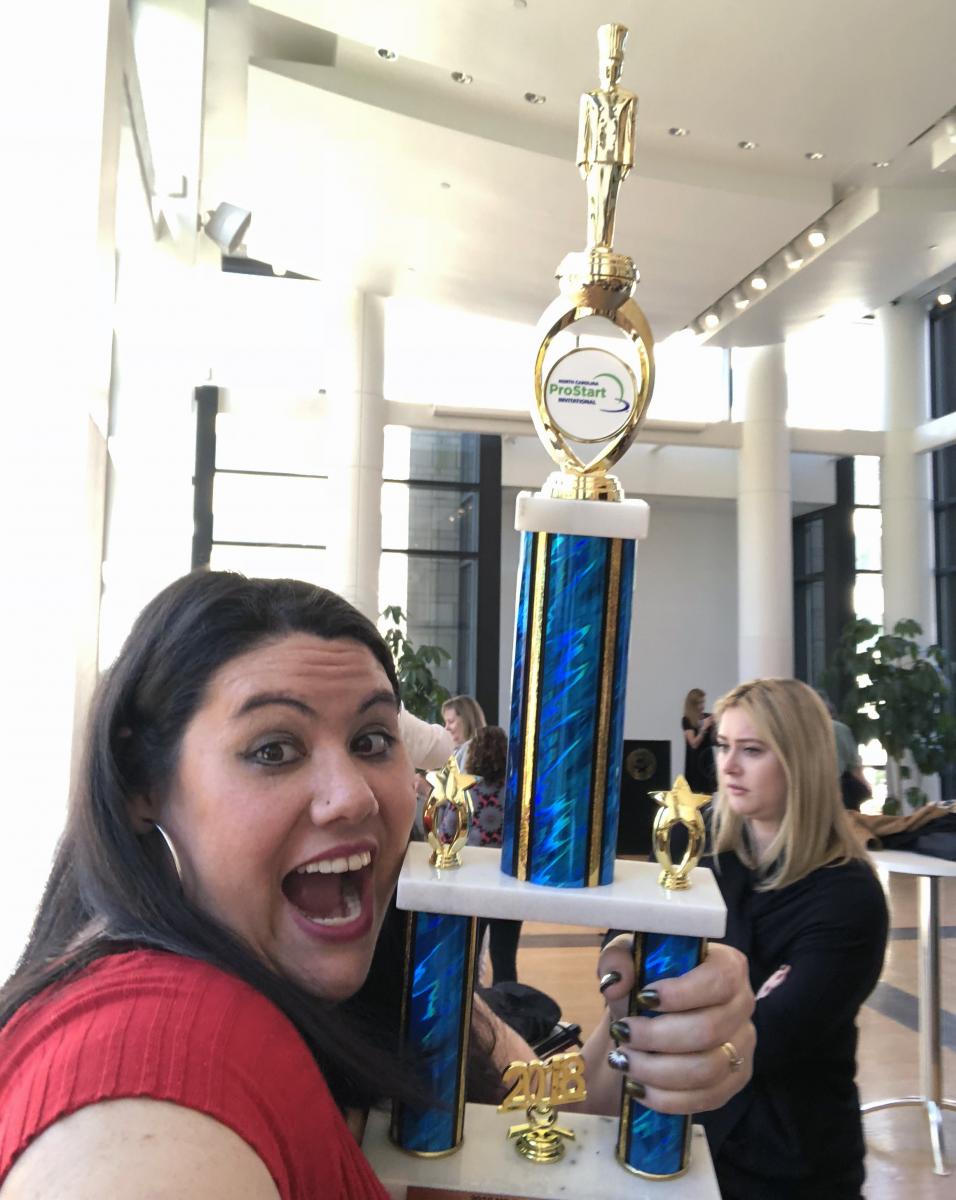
[620, 1031]
[647, 998]
[609, 980]
[618, 1060]
[635, 1089]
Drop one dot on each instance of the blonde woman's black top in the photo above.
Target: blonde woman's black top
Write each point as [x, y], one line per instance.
[815, 950]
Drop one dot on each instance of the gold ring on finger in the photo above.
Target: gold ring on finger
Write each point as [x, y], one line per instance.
[736, 1060]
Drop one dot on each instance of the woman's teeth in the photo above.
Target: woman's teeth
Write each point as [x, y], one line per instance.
[336, 866]
[351, 907]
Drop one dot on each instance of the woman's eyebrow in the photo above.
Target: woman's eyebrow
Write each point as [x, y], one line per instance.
[384, 696]
[264, 699]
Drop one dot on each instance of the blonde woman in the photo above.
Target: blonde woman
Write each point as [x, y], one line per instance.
[805, 907]
[463, 717]
[698, 727]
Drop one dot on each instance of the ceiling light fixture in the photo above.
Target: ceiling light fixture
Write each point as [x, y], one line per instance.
[814, 155]
[944, 298]
[226, 225]
[884, 162]
[678, 131]
[747, 145]
[535, 98]
[740, 300]
[792, 257]
[817, 236]
[758, 282]
[711, 320]
[462, 77]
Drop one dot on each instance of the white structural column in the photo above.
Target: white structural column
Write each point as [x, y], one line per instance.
[355, 346]
[905, 477]
[61, 92]
[764, 553]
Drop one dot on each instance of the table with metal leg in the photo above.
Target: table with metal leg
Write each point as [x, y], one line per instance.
[929, 871]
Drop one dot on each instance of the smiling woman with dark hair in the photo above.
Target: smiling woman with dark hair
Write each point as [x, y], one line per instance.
[211, 984]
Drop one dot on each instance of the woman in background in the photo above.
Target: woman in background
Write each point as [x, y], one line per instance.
[463, 718]
[487, 758]
[698, 736]
[804, 905]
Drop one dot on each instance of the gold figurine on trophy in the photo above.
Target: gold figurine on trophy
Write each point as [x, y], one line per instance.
[538, 1086]
[679, 806]
[594, 396]
[606, 138]
[450, 794]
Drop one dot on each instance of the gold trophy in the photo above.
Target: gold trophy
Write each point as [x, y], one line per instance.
[679, 806]
[593, 396]
[449, 787]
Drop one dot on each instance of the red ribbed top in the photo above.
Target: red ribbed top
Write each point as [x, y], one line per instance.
[156, 1025]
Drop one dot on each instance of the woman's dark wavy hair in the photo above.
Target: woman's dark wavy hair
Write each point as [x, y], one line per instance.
[111, 889]
[488, 754]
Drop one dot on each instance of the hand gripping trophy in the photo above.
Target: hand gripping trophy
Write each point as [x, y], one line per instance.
[606, 138]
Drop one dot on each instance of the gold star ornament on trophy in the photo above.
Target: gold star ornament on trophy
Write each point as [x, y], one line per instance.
[451, 795]
[589, 401]
[679, 806]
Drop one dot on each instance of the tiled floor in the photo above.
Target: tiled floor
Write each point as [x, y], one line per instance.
[561, 961]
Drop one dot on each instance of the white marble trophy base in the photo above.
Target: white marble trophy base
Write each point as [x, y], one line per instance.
[635, 900]
[487, 1165]
[535, 513]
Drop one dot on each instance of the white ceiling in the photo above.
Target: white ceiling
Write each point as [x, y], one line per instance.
[348, 154]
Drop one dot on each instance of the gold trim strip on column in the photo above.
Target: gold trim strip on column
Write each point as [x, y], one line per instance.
[410, 919]
[599, 794]
[464, 1035]
[529, 731]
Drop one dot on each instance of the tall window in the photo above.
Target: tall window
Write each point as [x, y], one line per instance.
[261, 494]
[823, 578]
[441, 533]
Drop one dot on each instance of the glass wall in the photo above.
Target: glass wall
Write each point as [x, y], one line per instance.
[441, 503]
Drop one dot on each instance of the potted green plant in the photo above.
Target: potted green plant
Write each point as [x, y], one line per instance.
[897, 692]
[421, 692]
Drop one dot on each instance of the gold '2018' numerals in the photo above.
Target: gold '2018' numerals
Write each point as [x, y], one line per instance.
[557, 1080]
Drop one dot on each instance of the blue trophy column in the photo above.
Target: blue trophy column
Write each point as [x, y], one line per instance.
[656, 1145]
[567, 699]
[436, 1022]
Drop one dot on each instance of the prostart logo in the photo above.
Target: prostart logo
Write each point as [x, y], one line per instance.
[589, 394]
[606, 397]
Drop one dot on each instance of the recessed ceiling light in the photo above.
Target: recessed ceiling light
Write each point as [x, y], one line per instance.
[746, 145]
[884, 162]
[535, 98]
[758, 283]
[944, 298]
[740, 300]
[711, 320]
[678, 131]
[462, 77]
[814, 155]
[792, 257]
[387, 55]
[817, 237]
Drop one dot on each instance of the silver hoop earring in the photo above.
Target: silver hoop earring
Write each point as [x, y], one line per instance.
[172, 850]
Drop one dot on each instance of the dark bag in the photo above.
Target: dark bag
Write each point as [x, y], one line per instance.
[854, 792]
[528, 1011]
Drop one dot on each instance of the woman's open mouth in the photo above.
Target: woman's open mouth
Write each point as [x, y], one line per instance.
[331, 893]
